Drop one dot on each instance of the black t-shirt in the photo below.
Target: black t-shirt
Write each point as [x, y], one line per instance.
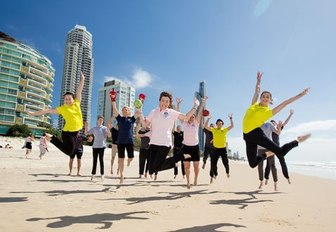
[178, 138]
[114, 133]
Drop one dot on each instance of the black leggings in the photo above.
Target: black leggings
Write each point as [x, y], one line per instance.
[98, 152]
[68, 143]
[257, 137]
[143, 161]
[158, 161]
[177, 152]
[219, 152]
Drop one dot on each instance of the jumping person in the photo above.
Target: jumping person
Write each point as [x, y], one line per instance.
[190, 143]
[43, 145]
[114, 136]
[125, 134]
[276, 140]
[144, 134]
[219, 134]
[72, 114]
[100, 134]
[208, 146]
[162, 121]
[256, 115]
[28, 144]
[178, 148]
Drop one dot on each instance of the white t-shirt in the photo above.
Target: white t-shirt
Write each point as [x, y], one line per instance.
[267, 128]
[190, 137]
[162, 123]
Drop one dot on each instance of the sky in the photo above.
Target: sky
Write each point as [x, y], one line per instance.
[158, 45]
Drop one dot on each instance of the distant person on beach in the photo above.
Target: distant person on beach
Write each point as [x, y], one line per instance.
[125, 134]
[28, 144]
[162, 121]
[219, 134]
[78, 153]
[256, 115]
[100, 134]
[268, 129]
[72, 114]
[190, 143]
[8, 146]
[43, 146]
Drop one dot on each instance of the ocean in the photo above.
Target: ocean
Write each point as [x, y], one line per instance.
[323, 170]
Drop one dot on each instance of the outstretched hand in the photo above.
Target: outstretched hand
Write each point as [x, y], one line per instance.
[304, 92]
[259, 76]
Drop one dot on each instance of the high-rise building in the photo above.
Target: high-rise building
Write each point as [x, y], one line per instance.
[26, 84]
[125, 97]
[202, 92]
[78, 58]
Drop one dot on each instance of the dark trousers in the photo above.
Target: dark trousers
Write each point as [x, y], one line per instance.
[177, 152]
[98, 152]
[68, 143]
[143, 160]
[158, 161]
[218, 152]
[257, 137]
[208, 150]
[271, 167]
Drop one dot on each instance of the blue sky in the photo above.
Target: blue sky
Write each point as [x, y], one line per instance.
[172, 45]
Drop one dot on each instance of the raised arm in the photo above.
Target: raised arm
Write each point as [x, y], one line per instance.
[114, 108]
[231, 122]
[178, 104]
[206, 125]
[200, 110]
[183, 117]
[80, 87]
[282, 105]
[86, 127]
[257, 88]
[291, 112]
[42, 112]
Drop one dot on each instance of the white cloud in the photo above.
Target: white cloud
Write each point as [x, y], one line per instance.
[140, 79]
[314, 126]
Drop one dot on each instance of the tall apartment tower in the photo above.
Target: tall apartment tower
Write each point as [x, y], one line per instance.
[202, 92]
[77, 58]
[125, 97]
[26, 84]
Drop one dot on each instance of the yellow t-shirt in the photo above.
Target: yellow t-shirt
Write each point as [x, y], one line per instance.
[72, 116]
[255, 116]
[219, 137]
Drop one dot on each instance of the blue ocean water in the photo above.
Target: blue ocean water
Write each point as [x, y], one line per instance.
[323, 170]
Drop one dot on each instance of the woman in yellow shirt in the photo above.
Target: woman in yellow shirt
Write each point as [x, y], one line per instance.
[72, 114]
[256, 115]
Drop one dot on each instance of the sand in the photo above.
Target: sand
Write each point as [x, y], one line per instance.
[38, 195]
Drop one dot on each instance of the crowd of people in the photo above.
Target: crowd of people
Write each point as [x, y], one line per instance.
[164, 129]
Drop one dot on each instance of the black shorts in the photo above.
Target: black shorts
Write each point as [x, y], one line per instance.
[78, 154]
[128, 147]
[193, 151]
[29, 145]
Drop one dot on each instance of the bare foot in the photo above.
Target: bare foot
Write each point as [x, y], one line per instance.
[175, 176]
[195, 182]
[79, 174]
[211, 180]
[289, 182]
[146, 175]
[111, 172]
[261, 184]
[303, 138]
[188, 185]
[228, 175]
[121, 179]
[92, 178]
[275, 187]
[69, 174]
[203, 166]
[155, 177]
[266, 181]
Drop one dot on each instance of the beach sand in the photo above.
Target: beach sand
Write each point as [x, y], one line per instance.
[38, 195]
